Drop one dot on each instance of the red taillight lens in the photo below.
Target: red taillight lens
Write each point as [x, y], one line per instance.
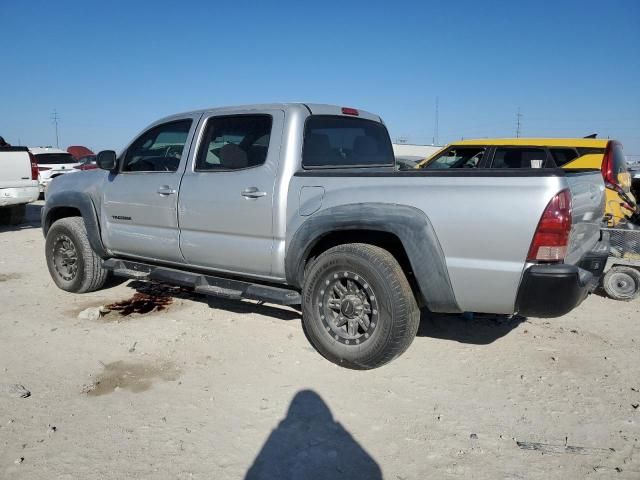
[350, 111]
[551, 239]
[34, 167]
[610, 178]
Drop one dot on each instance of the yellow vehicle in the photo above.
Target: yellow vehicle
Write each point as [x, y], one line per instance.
[566, 153]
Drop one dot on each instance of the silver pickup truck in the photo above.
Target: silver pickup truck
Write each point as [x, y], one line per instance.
[300, 204]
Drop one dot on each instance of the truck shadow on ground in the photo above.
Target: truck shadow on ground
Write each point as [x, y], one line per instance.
[309, 443]
[31, 220]
[471, 329]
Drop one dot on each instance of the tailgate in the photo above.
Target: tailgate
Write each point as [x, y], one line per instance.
[15, 167]
[588, 206]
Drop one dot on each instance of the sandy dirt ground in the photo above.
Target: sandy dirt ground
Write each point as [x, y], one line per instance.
[210, 389]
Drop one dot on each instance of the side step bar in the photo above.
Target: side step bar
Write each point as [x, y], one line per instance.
[204, 284]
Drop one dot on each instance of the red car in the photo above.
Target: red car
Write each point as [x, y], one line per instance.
[87, 162]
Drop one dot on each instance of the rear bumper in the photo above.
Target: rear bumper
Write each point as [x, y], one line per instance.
[553, 290]
[18, 195]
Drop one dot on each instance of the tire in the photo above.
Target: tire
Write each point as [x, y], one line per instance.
[359, 310]
[622, 283]
[72, 263]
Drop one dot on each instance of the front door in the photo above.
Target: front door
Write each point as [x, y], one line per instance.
[226, 198]
[139, 214]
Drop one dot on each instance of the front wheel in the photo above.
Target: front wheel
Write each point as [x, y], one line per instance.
[622, 283]
[72, 263]
[358, 308]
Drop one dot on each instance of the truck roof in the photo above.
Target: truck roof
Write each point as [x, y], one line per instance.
[538, 142]
[313, 108]
[40, 150]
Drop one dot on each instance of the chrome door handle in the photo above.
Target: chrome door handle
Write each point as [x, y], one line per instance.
[166, 190]
[252, 192]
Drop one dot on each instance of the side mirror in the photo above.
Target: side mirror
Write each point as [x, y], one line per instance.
[106, 160]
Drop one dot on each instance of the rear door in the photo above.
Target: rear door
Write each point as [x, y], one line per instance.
[139, 214]
[226, 196]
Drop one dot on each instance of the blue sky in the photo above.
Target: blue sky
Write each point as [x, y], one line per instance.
[110, 68]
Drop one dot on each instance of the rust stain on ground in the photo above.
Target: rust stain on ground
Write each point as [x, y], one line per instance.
[133, 376]
[149, 298]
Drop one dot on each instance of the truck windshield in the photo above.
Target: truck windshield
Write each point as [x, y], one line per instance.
[55, 158]
[335, 141]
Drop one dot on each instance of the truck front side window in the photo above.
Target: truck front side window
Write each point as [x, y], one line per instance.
[159, 149]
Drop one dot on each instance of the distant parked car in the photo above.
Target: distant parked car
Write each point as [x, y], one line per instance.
[52, 162]
[79, 151]
[86, 163]
[18, 183]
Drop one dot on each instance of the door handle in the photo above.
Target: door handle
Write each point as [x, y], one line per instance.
[165, 190]
[252, 192]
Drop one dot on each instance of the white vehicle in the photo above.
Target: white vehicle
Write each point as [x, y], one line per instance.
[52, 162]
[18, 183]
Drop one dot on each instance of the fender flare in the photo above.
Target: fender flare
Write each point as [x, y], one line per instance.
[410, 225]
[82, 202]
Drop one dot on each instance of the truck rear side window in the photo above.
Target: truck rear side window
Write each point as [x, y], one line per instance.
[335, 141]
[234, 143]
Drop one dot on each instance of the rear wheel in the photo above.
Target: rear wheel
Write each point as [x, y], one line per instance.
[622, 283]
[358, 308]
[72, 263]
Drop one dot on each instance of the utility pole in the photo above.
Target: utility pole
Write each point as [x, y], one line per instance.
[55, 118]
[518, 123]
[435, 126]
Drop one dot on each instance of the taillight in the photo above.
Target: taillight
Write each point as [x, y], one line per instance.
[34, 167]
[610, 177]
[551, 240]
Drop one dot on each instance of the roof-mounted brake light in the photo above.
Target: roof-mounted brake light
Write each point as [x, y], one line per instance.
[350, 111]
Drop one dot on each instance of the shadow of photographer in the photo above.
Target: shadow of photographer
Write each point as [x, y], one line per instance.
[309, 444]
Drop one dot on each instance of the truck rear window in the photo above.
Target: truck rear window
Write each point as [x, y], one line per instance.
[335, 141]
[54, 158]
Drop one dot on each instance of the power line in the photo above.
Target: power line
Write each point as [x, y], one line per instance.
[518, 123]
[55, 118]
